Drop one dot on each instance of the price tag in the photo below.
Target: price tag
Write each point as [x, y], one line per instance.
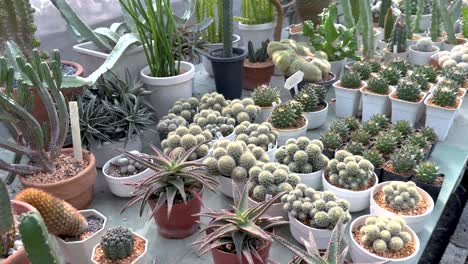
[293, 81]
[395, 47]
[219, 135]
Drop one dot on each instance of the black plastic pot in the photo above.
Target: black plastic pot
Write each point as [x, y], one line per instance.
[432, 190]
[390, 176]
[228, 72]
[379, 173]
[329, 153]
[325, 84]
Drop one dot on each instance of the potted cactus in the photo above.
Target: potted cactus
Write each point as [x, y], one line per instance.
[428, 72]
[407, 102]
[396, 46]
[347, 92]
[265, 97]
[386, 143]
[376, 158]
[241, 110]
[428, 177]
[350, 177]
[288, 121]
[381, 239]
[431, 137]
[183, 139]
[122, 246]
[315, 212]
[400, 166]
[375, 98]
[312, 97]
[304, 157]
[421, 52]
[258, 67]
[169, 123]
[261, 136]
[392, 75]
[331, 142]
[403, 199]
[219, 126]
[213, 101]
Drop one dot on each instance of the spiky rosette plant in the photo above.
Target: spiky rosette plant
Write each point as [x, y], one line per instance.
[302, 155]
[456, 74]
[170, 123]
[381, 120]
[375, 157]
[360, 136]
[420, 80]
[401, 196]
[214, 122]
[350, 171]
[213, 101]
[371, 127]
[427, 172]
[408, 91]
[117, 243]
[403, 126]
[392, 75]
[430, 134]
[183, 139]
[352, 123]
[173, 175]
[355, 148]
[256, 135]
[331, 140]
[444, 97]
[186, 108]
[351, 80]
[341, 128]
[316, 209]
[286, 115]
[241, 110]
[428, 71]
[265, 95]
[378, 85]
[237, 227]
[403, 66]
[311, 97]
[363, 69]
[403, 162]
[417, 139]
[386, 143]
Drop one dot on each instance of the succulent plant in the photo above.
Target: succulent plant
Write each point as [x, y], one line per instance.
[311, 97]
[428, 71]
[340, 126]
[271, 178]
[331, 140]
[414, 151]
[212, 121]
[355, 148]
[363, 69]
[408, 91]
[350, 80]
[424, 45]
[265, 95]
[241, 110]
[117, 243]
[352, 123]
[398, 37]
[256, 135]
[183, 139]
[7, 222]
[375, 65]
[128, 166]
[259, 55]
[403, 66]
[401, 196]
[420, 80]
[386, 143]
[403, 162]
[349, 171]
[186, 108]
[381, 120]
[403, 126]
[417, 139]
[286, 115]
[392, 75]
[456, 74]
[213, 101]
[302, 155]
[374, 156]
[371, 127]
[320, 210]
[360, 136]
[444, 97]
[430, 134]
[170, 123]
[427, 172]
[378, 85]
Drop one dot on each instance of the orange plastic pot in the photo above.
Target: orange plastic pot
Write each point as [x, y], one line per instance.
[256, 74]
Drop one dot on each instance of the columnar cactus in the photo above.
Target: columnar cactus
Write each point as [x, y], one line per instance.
[435, 22]
[270, 179]
[170, 123]
[186, 108]
[286, 115]
[128, 166]
[256, 135]
[302, 155]
[213, 101]
[7, 224]
[401, 196]
[320, 210]
[183, 139]
[311, 97]
[241, 110]
[350, 171]
[408, 91]
[212, 121]
[355, 148]
[117, 243]
[265, 95]
[424, 45]
[388, 27]
[398, 38]
[427, 172]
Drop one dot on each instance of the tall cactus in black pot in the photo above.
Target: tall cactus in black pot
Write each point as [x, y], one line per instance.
[227, 61]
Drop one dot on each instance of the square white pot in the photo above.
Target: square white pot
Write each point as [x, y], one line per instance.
[142, 259]
[347, 100]
[440, 118]
[373, 104]
[404, 110]
[389, 56]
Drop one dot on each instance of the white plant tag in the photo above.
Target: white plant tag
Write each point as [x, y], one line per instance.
[219, 135]
[293, 81]
[395, 47]
[274, 104]
[268, 197]
[75, 129]
[270, 146]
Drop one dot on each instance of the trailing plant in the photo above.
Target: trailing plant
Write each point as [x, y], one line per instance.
[286, 115]
[427, 172]
[312, 97]
[271, 178]
[392, 75]
[183, 139]
[265, 95]
[398, 38]
[350, 171]
[378, 85]
[117, 243]
[408, 91]
[363, 69]
[260, 55]
[261, 135]
[215, 123]
[213, 101]
[375, 157]
[256, 12]
[428, 71]
[444, 97]
[401, 196]
[170, 123]
[241, 110]
[186, 108]
[331, 140]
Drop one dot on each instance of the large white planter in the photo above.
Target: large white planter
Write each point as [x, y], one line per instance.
[404, 110]
[207, 63]
[227, 186]
[285, 134]
[256, 33]
[119, 185]
[390, 56]
[167, 90]
[337, 67]
[440, 118]
[108, 150]
[264, 114]
[361, 255]
[419, 57]
[317, 119]
[358, 200]
[275, 209]
[313, 179]
[79, 252]
[416, 222]
[347, 100]
[373, 103]
[142, 259]
[300, 231]
[91, 59]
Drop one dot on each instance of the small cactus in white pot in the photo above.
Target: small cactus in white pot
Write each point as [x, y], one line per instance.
[258, 135]
[421, 52]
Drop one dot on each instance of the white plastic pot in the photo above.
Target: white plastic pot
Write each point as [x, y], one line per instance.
[337, 67]
[373, 103]
[227, 186]
[91, 58]
[142, 259]
[419, 57]
[107, 150]
[207, 63]
[361, 255]
[313, 179]
[264, 114]
[300, 231]
[119, 185]
[358, 200]
[167, 90]
[285, 134]
[404, 110]
[317, 119]
[415, 222]
[256, 33]
[347, 100]
[275, 210]
[390, 56]
[381, 44]
[271, 152]
[78, 252]
[440, 118]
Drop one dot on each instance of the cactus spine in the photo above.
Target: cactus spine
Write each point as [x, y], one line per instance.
[117, 243]
[409, 33]
[388, 26]
[398, 37]
[36, 240]
[417, 20]
[227, 28]
[367, 29]
[435, 22]
[384, 7]
[7, 231]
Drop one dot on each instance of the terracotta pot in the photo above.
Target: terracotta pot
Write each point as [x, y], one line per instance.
[221, 257]
[181, 223]
[19, 257]
[256, 74]
[77, 66]
[78, 190]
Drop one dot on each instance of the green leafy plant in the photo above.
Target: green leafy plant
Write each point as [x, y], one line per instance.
[408, 91]
[427, 172]
[378, 85]
[256, 12]
[265, 95]
[312, 97]
[259, 55]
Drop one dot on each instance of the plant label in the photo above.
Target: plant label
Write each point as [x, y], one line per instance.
[268, 197]
[219, 135]
[293, 81]
[75, 129]
[270, 146]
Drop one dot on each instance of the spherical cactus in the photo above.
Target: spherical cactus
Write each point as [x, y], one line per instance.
[226, 164]
[401, 196]
[350, 172]
[302, 155]
[117, 243]
[321, 219]
[379, 246]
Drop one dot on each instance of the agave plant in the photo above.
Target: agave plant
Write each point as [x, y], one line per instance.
[237, 226]
[173, 176]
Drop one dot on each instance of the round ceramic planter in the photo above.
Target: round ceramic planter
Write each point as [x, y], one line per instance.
[167, 90]
[318, 118]
[227, 186]
[358, 200]
[79, 69]
[119, 186]
[347, 100]
[256, 74]
[373, 104]
[285, 133]
[361, 255]
[221, 257]
[300, 231]
[275, 210]
[207, 63]
[449, 47]
[390, 56]
[77, 190]
[107, 150]
[142, 259]
[256, 33]
[404, 110]
[440, 118]
[415, 222]
[313, 179]
[419, 57]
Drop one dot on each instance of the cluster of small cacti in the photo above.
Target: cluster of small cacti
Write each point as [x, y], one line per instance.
[117, 243]
[128, 166]
[170, 123]
[427, 172]
[233, 159]
[398, 38]
[363, 69]
[458, 56]
[186, 108]
[271, 178]
[213, 101]
[214, 122]
[311, 97]
[456, 74]
[320, 210]
[428, 71]
[349, 171]
[401, 196]
[287, 114]
[183, 139]
[265, 95]
[383, 234]
[290, 56]
[420, 80]
[261, 135]
[331, 140]
[424, 45]
[350, 80]
[302, 155]
[378, 85]
[241, 110]
[392, 75]
[403, 66]
[408, 91]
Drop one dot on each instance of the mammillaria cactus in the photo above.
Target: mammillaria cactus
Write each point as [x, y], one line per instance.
[170, 123]
[241, 110]
[331, 140]
[257, 135]
[458, 56]
[270, 179]
[374, 156]
[302, 155]
[213, 101]
[401, 196]
[350, 171]
[320, 210]
[363, 69]
[128, 166]
[185, 108]
[386, 143]
[311, 97]
[427, 172]
[213, 121]
[183, 139]
[428, 71]
[265, 95]
[350, 80]
[117, 243]
[444, 97]
[424, 45]
[408, 91]
[378, 85]
[286, 115]
[392, 75]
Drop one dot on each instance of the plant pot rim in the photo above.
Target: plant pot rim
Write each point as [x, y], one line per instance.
[189, 74]
[107, 164]
[79, 68]
[90, 49]
[435, 49]
[387, 51]
[258, 65]
[292, 129]
[337, 84]
[365, 91]
[89, 212]
[459, 41]
[134, 261]
[319, 111]
[238, 55]
[255, 202]
[294, 219]
[458, 100]
[262, 26]
[235, 38]
[335, 188]
[392, 94]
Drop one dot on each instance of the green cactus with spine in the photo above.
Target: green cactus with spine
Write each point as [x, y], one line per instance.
[403, 66]
[350, 80]
[371, 127]
[286, 115]
[367, 29]
[408, 20]
[183, 139]
[241, 110]
[117, 243]
[341, 127]
[363, 69]
[403, 162]
[388, 27]
[417, 139]
[355, 148]
[403, 126]
[360, 136]
[271, 178]
[381, 120]
[214, 122]
[428, 71]
[401, 196]
[392, 75]
[227, 27]
[424, 45]
[398, 37]
[419, 12]
[427, 172]
[265, 95]
[311, 97]
[349, 171]
[170, 123]
[213, 101]
[128, 166]
[435, 22]
[384, 234]
[7, 223]
[384, 7]
[455, 74]
[444, 97]
[378, 85]
[187, 108]
[386, 143]
[374, 156]
[420, 80]
[331, 140]
[352, 123]
[430, 134]
[465, 19]
[256, 135]
[408, 91]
